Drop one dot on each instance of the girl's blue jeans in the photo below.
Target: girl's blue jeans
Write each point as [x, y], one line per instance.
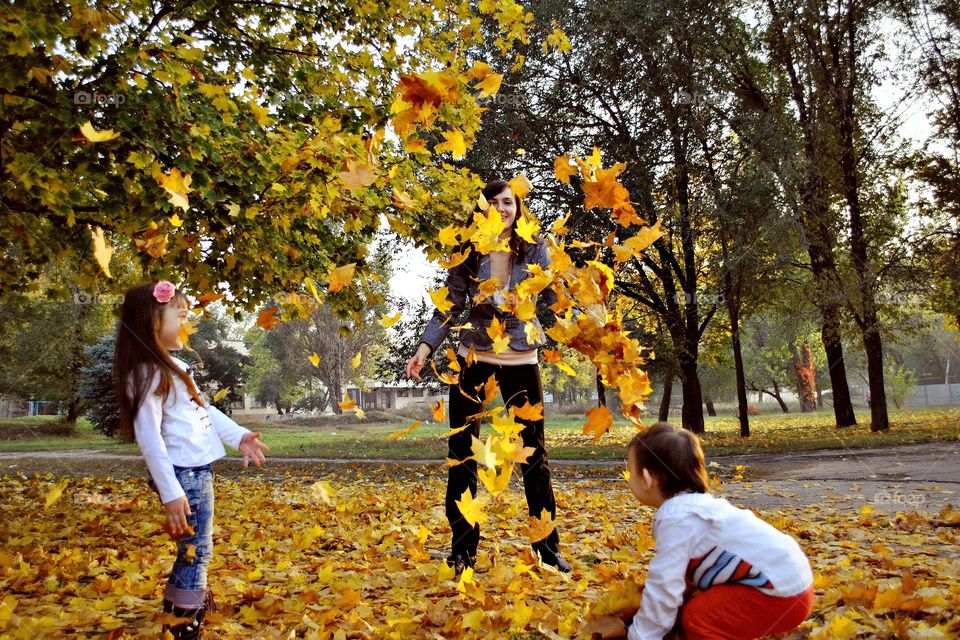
[187, 585]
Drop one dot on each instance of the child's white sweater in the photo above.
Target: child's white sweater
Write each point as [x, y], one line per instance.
[709, 541]
[179, 432]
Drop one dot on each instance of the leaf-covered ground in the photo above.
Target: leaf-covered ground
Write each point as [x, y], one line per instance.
[356, 554]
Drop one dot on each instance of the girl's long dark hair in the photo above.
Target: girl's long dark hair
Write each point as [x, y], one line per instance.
[139, 356]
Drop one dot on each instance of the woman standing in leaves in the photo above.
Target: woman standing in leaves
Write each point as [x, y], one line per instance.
[515, 369]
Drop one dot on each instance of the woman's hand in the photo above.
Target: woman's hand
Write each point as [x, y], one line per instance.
[252, 449]
[415, 364]
[176, 523]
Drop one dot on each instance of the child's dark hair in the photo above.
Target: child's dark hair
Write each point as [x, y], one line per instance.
[673, 456]
[139, 356]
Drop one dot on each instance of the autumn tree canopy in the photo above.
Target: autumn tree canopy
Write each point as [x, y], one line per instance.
[238, 148]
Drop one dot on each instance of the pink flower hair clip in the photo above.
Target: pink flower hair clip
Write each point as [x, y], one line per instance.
[164, 291]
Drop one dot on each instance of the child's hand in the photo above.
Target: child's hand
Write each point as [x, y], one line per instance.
[606, 627]
[176, 523]
[252, 449]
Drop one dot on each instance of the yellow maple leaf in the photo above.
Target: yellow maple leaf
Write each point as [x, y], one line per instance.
[563, 169]
[457, 258]
[177, 186]
[448, 235]
[490, 84]
[358, 175]
[560, 226]
[387, 321]
[497, 333]
[537, 529]
[599, 421]
[55, 493]
[496, 483]
[321, 491]
[339, 277]
[454, 142]
[93, 135]
[471, 509]
[396, 435]
[439, 414]
[314, 359]
[101, 252]
[605, 191]
[528, 411]
[440, 300]
[483, 452]
[520, 185]
[187, 329]
[348, 403]
[356, 359]
[221, 394]
[527, 227]
[488, 227]
[267, 319]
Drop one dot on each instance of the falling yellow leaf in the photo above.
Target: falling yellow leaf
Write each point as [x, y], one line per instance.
[187, 329]
[528, 227]
[267, 319]
[101, 252]
[221, 394]
[93, 135]
[538, 529]
[348, 403]
[396, 435]
[55, 493]
[321, 491]
[356, 359]
[448, 235]
[454, 142]
[387, 321]
[599, 421]
[358, 175]
[490, 85]
[177, 186]
[439, 414]
[483, 452]
[496, 483]
[563, 169]
[339, 277]
[520, 185]
[440, 300]
[314, 359]
[175, 221]
[529, 411]
[471, 509]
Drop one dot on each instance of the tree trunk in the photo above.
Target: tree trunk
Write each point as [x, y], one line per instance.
[842, 404]
[868, 321]
[711, 410]
[803, 370]
[664, 414]
[692, 411]
[601, 392]
[779, 399]
[74, 410]
[879, 419]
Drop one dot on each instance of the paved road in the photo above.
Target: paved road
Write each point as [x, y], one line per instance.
[923, 477]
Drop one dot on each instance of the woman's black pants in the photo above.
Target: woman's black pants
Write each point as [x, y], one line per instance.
[518, 384]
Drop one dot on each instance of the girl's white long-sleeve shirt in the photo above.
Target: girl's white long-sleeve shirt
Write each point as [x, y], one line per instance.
[177, 431]
[704, 541]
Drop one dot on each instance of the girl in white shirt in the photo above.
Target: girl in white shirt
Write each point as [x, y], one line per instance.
[719, 572]
[179, 435]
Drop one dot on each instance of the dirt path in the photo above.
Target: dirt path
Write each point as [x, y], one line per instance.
[922, 477]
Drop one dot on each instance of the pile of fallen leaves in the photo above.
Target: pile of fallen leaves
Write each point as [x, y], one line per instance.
[360, 556]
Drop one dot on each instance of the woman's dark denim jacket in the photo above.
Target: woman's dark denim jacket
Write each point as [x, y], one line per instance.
[463, 283]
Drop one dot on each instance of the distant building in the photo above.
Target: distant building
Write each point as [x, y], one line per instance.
[386, 396]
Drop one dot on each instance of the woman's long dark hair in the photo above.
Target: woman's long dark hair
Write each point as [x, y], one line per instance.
[139, 356]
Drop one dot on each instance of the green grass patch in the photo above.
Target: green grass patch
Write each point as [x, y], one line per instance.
[346, 437]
